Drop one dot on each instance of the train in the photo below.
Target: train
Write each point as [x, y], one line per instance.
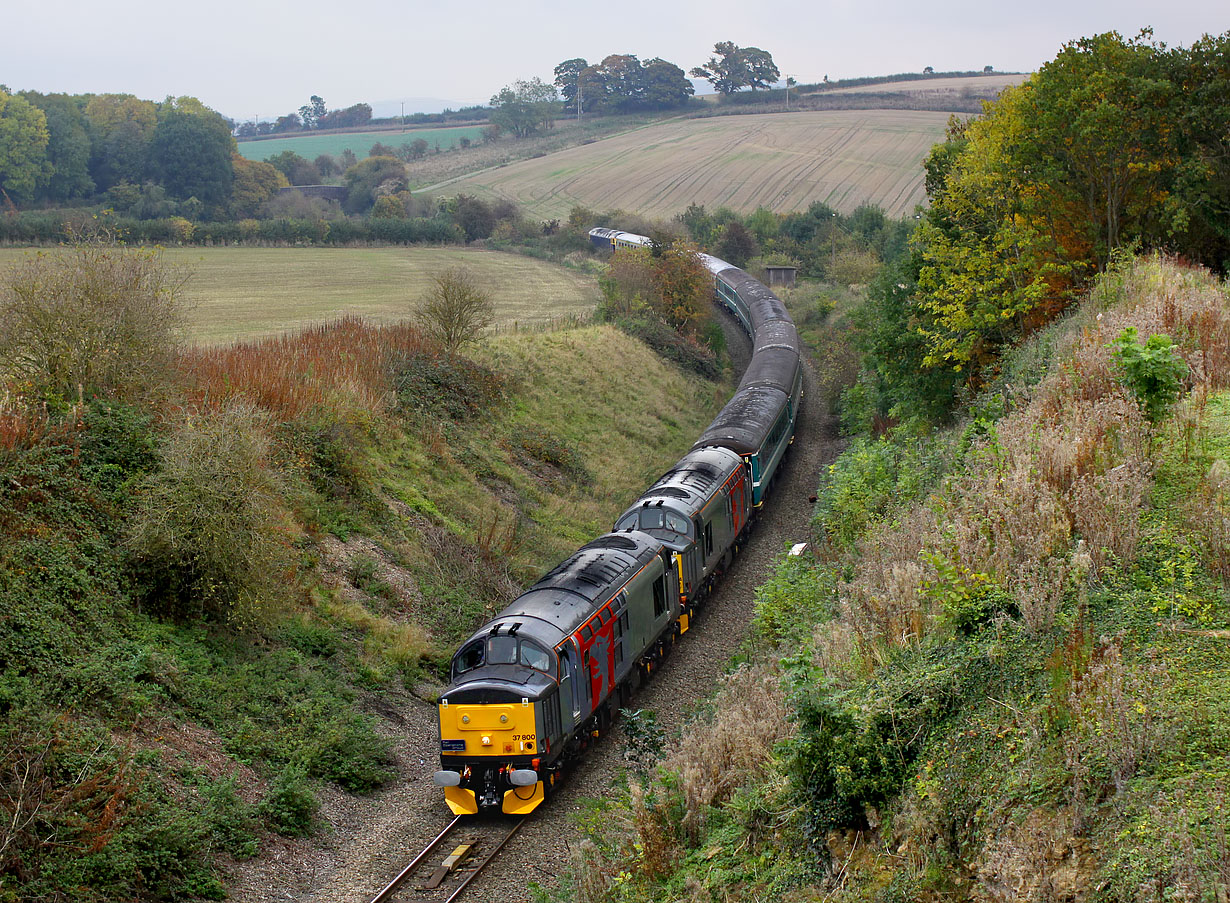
[533, 687]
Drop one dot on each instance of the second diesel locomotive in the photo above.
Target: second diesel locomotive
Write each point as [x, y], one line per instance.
[536, 684]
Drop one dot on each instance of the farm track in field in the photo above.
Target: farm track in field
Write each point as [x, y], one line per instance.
[374, 836]
[783, 161]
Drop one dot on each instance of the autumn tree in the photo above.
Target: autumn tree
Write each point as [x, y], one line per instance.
[255, 182]
[684, 287]
[456, 309]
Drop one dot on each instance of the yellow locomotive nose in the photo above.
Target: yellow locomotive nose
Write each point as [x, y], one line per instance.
[488, 730]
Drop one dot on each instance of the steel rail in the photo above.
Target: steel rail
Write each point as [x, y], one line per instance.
[474, 874]
[405, 873]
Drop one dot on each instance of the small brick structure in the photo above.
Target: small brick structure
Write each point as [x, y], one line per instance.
[781, 275]
[328, 192]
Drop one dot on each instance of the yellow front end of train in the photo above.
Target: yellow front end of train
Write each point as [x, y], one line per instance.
[487, 747]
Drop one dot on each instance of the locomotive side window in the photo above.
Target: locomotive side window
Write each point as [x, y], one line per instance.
[659, 597]
[708, 540]
[468, 658]
[502, 650]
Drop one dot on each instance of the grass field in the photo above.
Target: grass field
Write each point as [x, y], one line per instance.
[312, 146]
[783, 161]
[239, 293]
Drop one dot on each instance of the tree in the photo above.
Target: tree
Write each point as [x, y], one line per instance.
[68, 145]
[371, 178]
[525, 107]
[312, 112]
[121, 127]
[567, 79]
[23, 142]
[737, 244]
[475, 217]
[288, 123]
[666, 85]
[734, 67]
[456, 309]
[255, 182]
[191, 154]
[684, 288]
[356, 115]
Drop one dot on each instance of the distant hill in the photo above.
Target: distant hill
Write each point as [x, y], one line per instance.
[385, 108]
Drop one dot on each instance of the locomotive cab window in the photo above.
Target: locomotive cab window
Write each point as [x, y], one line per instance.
[534, 656]
[502, 650]
[468, 658]
[659, 597]
[628, 523]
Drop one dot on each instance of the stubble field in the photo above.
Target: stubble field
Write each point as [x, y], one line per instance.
[782, 161]
[243, 293]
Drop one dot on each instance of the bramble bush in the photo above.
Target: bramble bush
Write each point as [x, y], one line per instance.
[207, 536]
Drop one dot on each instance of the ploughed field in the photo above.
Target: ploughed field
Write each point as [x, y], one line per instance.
[782, 161]
[242, 293]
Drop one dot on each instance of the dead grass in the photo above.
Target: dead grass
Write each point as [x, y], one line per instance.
[1057, 491]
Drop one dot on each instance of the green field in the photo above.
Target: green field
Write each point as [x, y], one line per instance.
[312, 146]
[240, 293]
[782, 161]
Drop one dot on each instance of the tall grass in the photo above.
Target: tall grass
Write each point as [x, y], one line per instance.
[290, 374]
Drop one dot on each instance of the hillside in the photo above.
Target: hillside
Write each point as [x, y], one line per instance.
[780, 161]
[223, 568]
[1003, 676]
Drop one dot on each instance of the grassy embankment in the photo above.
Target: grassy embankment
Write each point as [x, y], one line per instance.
[1004, 675]
[209, 588]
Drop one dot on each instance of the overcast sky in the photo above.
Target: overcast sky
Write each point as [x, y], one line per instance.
[252, 57]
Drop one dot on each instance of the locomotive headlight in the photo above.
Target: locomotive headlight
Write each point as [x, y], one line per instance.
[486, 741]
[503, 719]
[465, 719]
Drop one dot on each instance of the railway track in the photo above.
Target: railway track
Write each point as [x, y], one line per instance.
[449, 863]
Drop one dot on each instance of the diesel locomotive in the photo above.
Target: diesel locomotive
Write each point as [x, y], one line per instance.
[535, 685]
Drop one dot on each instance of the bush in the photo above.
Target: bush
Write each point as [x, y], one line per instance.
[291, 806]
[94, 319]
[456, 309]
[1153, 371]
[206, 538]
